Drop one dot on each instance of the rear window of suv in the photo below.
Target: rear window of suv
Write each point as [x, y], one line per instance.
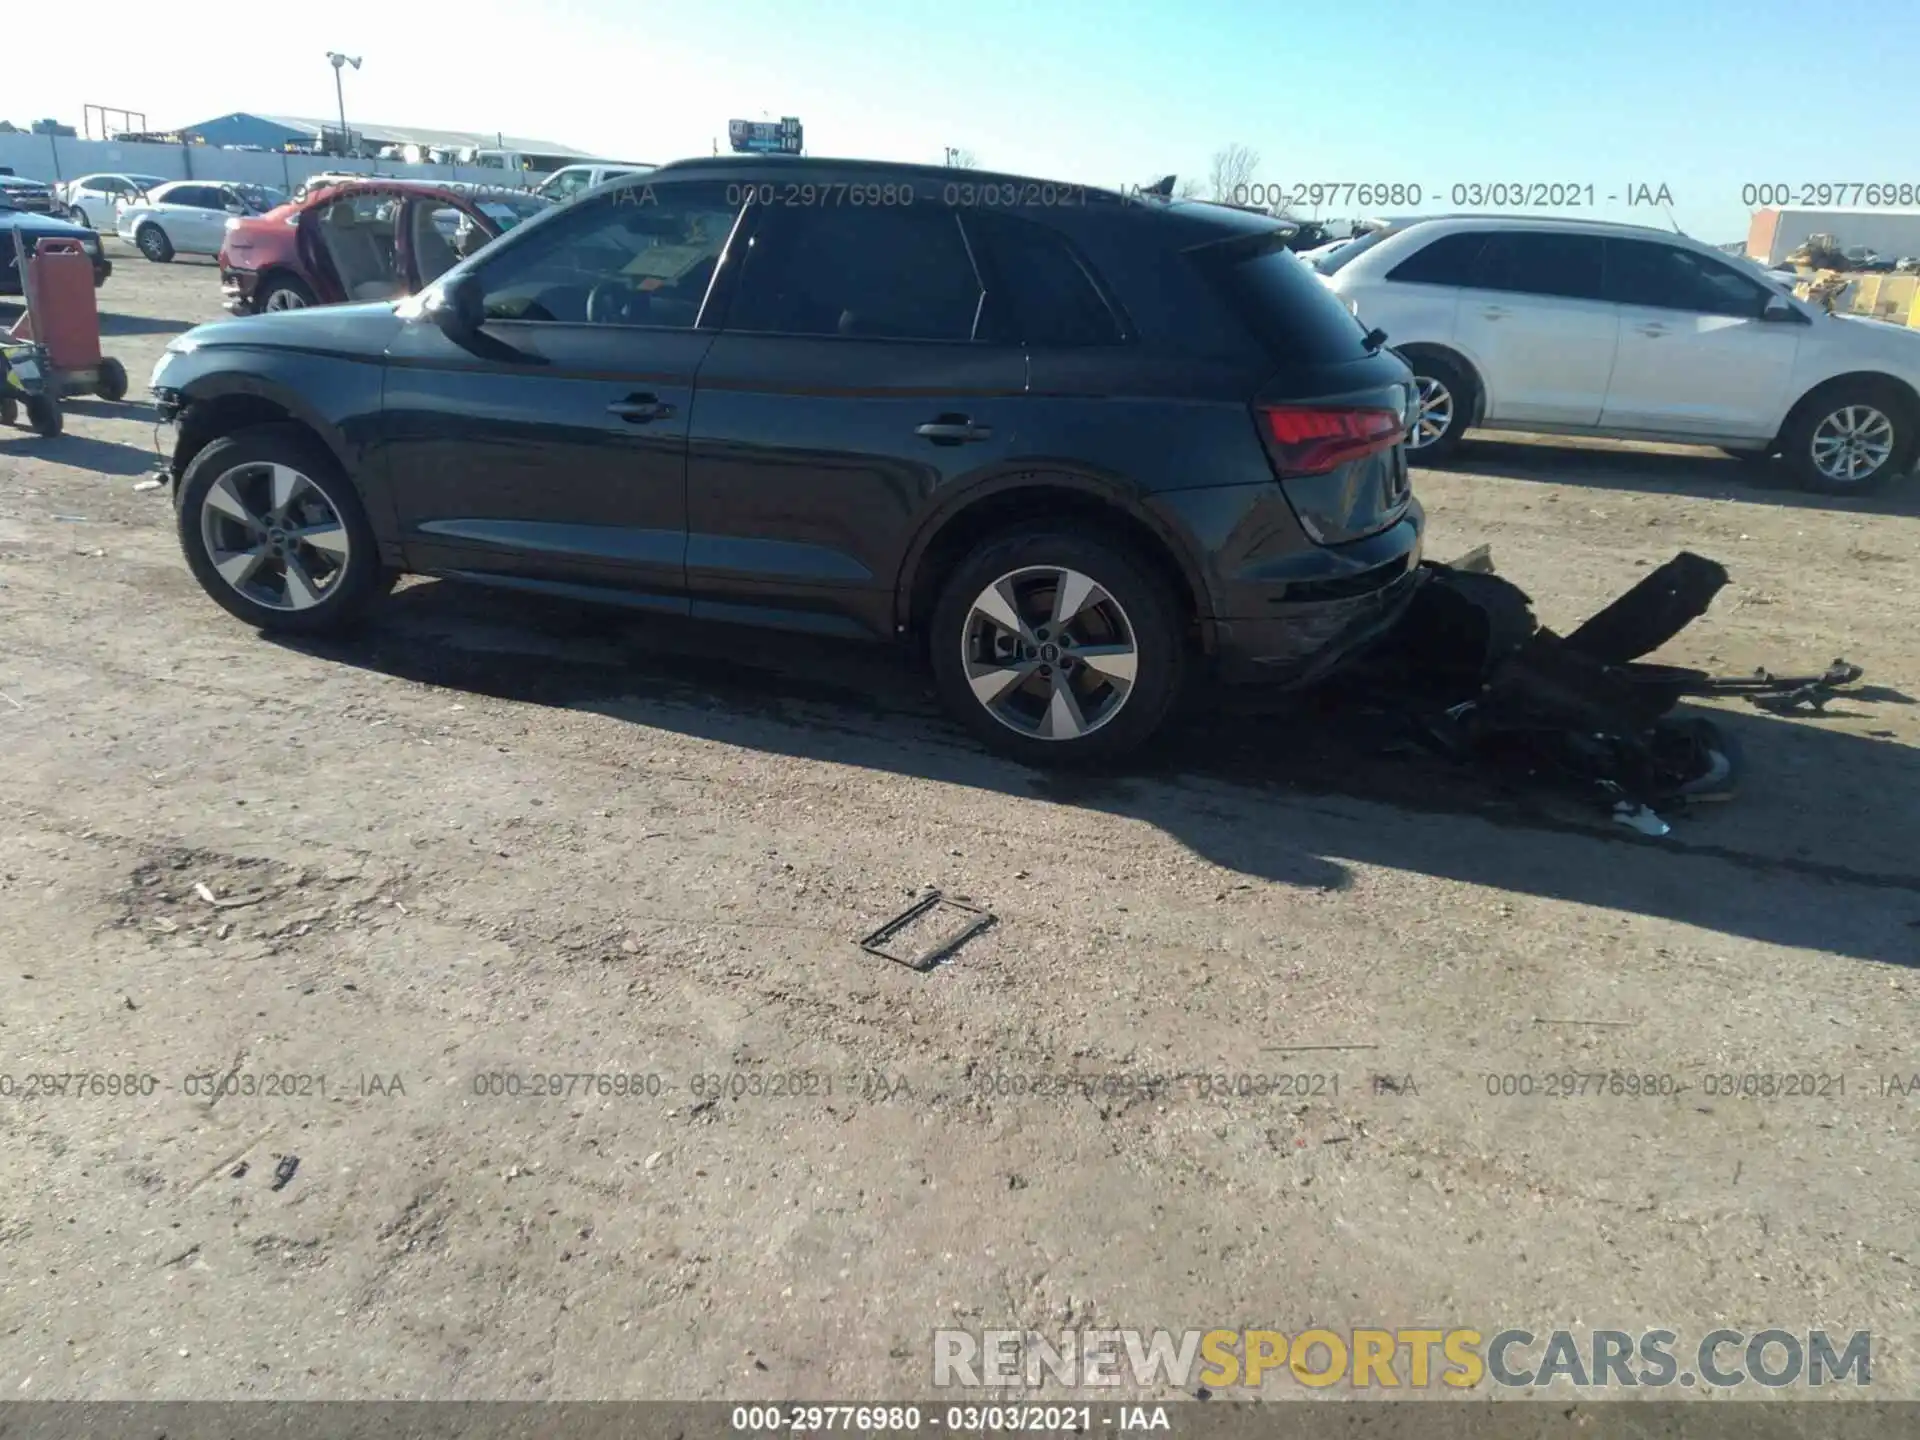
[1284, 303]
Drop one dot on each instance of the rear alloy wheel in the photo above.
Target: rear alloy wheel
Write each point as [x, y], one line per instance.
[1440, 410]
[79, 217]
[153, 243]
[1056, 649]
[276, 534]
[285, 293]
[1852, 442]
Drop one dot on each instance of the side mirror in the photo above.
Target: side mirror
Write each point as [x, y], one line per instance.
[1778, 309]
[458, 308]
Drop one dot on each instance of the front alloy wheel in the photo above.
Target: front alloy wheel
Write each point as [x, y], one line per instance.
[274, 536]
[1852, 444]
[1049, 654]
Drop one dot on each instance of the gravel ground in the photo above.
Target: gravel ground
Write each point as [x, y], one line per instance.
[500, 837]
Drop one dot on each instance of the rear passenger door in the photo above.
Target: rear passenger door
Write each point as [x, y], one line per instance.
[853, 378]
[194, 218]
[1534, 321]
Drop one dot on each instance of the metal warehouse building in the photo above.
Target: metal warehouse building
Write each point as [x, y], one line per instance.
[1776, 234]
[275, 132]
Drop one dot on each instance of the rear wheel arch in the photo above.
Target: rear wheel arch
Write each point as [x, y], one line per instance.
[1024, 501]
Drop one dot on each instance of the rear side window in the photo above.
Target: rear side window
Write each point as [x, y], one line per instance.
[1039, 291]
[1445, 261]
[1278, 297]
[1538, 262]
[866, 274]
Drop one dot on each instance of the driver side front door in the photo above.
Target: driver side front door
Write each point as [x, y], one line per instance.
[552, 453]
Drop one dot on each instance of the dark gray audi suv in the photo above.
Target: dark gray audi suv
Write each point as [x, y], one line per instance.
[1079, 445]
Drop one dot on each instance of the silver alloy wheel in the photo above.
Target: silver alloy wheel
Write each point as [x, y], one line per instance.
[274, 536]
[286, 298]
[1049, 653]
[79, 218]
[1852, 443]
[1435, 415]
[152, 242]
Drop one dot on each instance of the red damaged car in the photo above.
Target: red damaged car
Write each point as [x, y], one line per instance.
[364, 240]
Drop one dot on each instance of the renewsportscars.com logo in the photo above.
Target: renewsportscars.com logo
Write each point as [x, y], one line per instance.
[1391, 1359]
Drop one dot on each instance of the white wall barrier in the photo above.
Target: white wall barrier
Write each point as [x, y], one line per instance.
[55, 157]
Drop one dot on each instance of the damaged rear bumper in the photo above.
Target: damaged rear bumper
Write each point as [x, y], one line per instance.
[1305, 628]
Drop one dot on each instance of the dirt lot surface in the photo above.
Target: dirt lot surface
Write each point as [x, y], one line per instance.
[500, 838]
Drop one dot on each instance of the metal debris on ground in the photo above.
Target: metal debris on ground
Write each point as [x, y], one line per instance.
[283, 1172]
[948, 923]
[148, 485]
[1475, 676]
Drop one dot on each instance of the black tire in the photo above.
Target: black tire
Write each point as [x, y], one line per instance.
[1428, 371]
[298, 296]
[1797, 438]
[9, 410]
[79, 217]
[43, 414]
[153, 243]
[1146, 601]
[112, 384]
[364, 579]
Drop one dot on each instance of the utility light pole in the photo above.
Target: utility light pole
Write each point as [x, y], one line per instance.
[338, 60]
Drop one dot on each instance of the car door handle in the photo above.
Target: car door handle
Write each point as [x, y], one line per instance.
[1652, 331]
[952, 430]
[639, 409]
[1494, 312]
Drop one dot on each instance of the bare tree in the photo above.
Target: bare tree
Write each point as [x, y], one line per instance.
[1191, 188]
[961, 159]
[1232, 173]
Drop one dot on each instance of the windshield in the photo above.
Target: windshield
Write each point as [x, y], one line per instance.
[260, 198]
[1346, 251]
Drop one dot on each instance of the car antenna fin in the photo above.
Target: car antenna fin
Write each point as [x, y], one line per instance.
[1162, 187]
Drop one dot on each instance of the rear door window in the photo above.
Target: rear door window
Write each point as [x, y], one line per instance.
[1539, 262]
[873, 274]
[1040, 291]
[1448, 260]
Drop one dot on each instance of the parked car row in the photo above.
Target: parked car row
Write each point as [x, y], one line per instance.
[1587, 328]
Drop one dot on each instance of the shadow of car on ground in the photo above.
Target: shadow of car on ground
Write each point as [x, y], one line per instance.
[1820, 851]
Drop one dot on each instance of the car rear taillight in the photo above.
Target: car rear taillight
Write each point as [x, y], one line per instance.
[1313, 439]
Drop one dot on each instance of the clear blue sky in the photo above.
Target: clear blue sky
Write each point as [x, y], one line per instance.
[1699, 95]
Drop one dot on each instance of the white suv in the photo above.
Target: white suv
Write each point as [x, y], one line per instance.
[1583, 328]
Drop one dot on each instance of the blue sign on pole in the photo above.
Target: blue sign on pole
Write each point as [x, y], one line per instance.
[765, 137]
